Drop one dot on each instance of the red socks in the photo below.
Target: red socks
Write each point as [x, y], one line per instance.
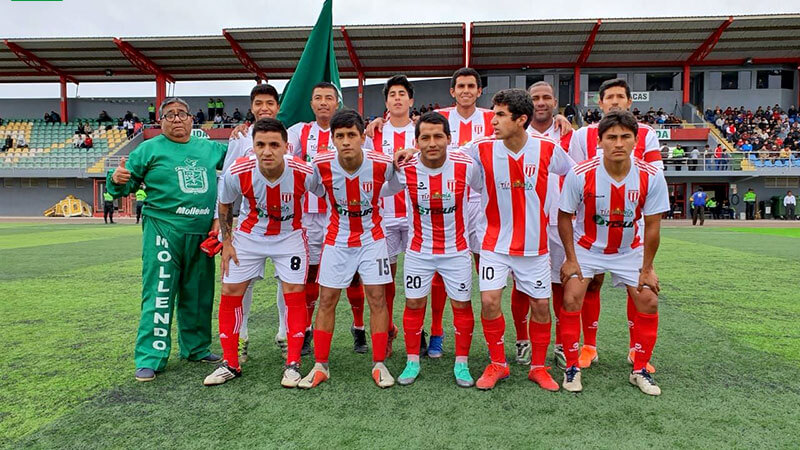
[464, 324]
[311, 294]
[590, 314]
[570, 334]
[230, 319]
[355, 295]
[296, 317]
[438, 302]
[412, 328]
[540, 340]
[631, 319]
[520, 306]
[558, 302]
[388, 290]
[379, 342]
[645, 335]
[322, 345]
[493, 331]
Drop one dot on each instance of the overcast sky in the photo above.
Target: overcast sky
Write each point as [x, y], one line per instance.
[89, 18]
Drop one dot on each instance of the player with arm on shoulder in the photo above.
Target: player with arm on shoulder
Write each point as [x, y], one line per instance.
[610, 194]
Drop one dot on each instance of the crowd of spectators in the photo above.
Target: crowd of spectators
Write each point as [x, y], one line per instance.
[771, 133]
[651, 117]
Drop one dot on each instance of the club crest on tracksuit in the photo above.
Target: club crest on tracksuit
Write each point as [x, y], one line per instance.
[192, 179]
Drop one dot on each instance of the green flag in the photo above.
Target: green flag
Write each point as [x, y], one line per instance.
[317, 64]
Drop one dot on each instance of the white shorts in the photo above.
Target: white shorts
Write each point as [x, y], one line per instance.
[455, 269]
[476, 225]
[624, 267]
[289, 255]
[396, 237]
[316, 224]
[532, 273]
[338, 265]
[557, 254]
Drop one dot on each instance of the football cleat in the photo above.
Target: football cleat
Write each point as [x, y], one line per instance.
[491, 375]
[632, 354]
[644, 381]
[559, 358]
[243, 343]
[381, 375]
[542, 377]
[588, 355]
[572, 379]
[307, 338]
[435, 346]
[463, 377]
[359, 340]
[410, 373]
[222, 374]
[524, 352]
[317, 375]
[291, 375]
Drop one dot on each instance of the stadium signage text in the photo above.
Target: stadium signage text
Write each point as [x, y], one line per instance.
[663, 134]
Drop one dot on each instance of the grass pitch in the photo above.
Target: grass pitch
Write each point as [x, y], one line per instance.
[727, 360]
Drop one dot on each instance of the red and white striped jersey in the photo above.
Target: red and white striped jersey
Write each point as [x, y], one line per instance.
[305, 141]
[238, 147]
[268, 208]
[608, 211]
[554, 181]
[466, 129]
[438, 202]
[585, 145]
[388, 140]
[353, 199]
[515, 192]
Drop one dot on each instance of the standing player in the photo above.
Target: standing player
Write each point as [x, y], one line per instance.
[306, 140]
[272, 185]
[397, 133]
[437, 182]
[611, 193]
[264, 104]
[614, 95]
[543, 124]
[350, 180]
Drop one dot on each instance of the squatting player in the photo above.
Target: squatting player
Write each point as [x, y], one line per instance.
[350, 180]
[437, 183]
[611, 193]
[271, 185]
[614, 95]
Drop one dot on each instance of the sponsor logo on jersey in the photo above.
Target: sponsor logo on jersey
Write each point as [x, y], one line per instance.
[633, 195]
[516, 184]
[600, 220]
[192, 211]
[423, 211]
[191, 178]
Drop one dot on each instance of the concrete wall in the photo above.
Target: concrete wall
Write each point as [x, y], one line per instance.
[759, 185]
[16, 200]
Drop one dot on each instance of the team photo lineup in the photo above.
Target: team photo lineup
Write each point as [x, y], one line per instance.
[511, 191]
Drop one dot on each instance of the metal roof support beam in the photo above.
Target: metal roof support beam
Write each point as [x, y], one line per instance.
[36, 63]
[469, 44]
[244, 58]
[576, 82]
[140, 61]
[361, 93]
[686, 80]
[351, 51]
[587, 47]
[161, 93]
[708, 45]
[63, 99]
[464, 44]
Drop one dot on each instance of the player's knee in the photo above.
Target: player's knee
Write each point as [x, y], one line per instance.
[415, 303]
[596, 283]
[540, 310]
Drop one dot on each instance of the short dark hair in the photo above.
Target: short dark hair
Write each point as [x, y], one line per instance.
[624, 119]
[434, 118]
[518, 102]
[268, 124]
[325, 85]
[398, 80]
[264, 89]
[347, 118]
[465, 72]
[614, 82]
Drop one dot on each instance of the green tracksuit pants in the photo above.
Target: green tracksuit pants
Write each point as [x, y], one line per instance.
[176, 277]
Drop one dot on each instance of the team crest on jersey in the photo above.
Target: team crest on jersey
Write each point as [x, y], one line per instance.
[529, 170]
[286, 197]
[633, 195]
[478, 129]
[451, 185]
[191, 178]
[366, 186]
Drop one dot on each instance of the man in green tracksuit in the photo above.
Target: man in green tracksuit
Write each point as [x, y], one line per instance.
[141, 195]
[180, 174]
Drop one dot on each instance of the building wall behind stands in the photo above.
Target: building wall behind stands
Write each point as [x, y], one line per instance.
[16, 200]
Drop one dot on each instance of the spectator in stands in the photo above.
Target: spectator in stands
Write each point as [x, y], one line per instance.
[55, 116]
[569, 112]
[718, 157]
[750, 204]
[137, 126]
[201, 117]
[21, 142]
[9, 143]
[725, 211]
[108, 207]
[218, 119]
[694, 159]
[128, 116]
[789, 202]
[249, 117]
[237, 115]
[151, 113]
[708, 157]
[220, 105]
[87, 142]
[77, 140]
[129, 127]
[699, 206]
[784, 155]
[436, 106]
[747, 146]
[80, 129]
[47, 118]
[104, 117]
[1, 121]
[212, 108]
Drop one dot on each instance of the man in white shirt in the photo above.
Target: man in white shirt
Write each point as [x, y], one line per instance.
[789, 202]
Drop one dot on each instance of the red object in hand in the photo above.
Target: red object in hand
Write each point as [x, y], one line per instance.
[212, 245]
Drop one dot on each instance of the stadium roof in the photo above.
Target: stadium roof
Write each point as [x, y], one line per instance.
[418, 50]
